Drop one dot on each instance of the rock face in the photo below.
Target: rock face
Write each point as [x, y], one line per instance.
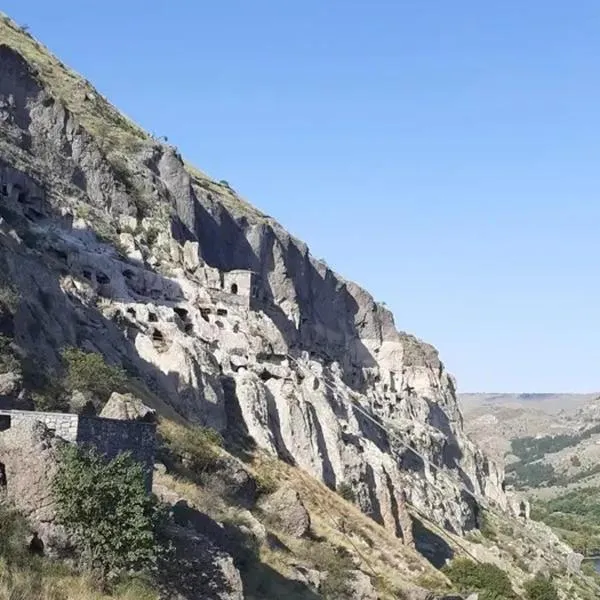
[286, 508]
[28, 455]
[200, 570]
[116, 247]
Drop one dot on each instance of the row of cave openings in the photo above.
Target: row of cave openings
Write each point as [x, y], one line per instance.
[23, 198]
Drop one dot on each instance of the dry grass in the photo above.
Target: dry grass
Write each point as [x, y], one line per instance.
[47, 581]
[335, 524]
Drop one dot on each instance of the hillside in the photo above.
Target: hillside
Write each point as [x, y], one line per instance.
[548, 441]
[276, 382]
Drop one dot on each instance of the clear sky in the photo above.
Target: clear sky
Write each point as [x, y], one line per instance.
[444, 154]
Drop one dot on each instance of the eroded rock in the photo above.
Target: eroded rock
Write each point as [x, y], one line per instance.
[286, 509]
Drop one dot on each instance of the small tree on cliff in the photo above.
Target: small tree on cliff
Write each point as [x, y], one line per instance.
[104, 505]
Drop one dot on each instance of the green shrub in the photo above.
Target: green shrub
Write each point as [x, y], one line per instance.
[344, 489]
[9, 298]
[8, 359]
[87, 371]
[336, 562]
[491, 581]
[13, 533]
[194, 447]
[486, 527]
[265, 483]
[104, 505]
[540, 588]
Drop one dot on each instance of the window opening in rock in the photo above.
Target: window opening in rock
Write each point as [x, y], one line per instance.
[265, 375]
[234, 288]
[219, 324]
[221, 312]
[236, 328]
[87, 274]
[4, 422]
[315, 384]
[157, 336]
[152, 317]
[2, 476]
[128, 273]
[36, 545]
[182, 313]
[102, 278]
[189, 328]
[204, 312]
[131, 311]
[4, 189]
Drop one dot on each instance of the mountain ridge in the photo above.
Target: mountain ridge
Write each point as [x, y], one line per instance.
[115, 246]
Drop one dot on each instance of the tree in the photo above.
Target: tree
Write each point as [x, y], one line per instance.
[488, 579]
[104, 505]
[87, 371]
[540, 588]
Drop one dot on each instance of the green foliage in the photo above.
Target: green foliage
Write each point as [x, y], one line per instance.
[13, 531]
[265, 483]
[344, 489]
[9, 298]
[575, 516]
[194, 447]
[8, 359]
[575, 461]
[532, 475]
[540, 588]
[87, 371]
[530, 449]
[491, 581]
[486, 527]
[337, 563]
[104, 505]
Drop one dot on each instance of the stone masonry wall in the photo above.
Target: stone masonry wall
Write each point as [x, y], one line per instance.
[112, 437]
[109, 436]
[64, 426]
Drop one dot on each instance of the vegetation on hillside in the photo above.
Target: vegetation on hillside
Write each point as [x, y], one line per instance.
[575, 516]
[105, 507]
[530, 472]
[27, 576]
[490, 581]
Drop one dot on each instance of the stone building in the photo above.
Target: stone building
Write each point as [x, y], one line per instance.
[109, 436]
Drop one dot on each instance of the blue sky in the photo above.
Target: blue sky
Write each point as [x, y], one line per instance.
[442, 154]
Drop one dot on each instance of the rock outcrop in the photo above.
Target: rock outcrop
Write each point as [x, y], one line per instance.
[29, 459]
[286, 509]
[115, 246]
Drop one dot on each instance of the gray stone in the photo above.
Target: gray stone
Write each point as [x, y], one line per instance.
[127, 407]
[286, 509]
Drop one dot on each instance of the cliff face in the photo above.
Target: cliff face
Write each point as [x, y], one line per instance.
[116, 246]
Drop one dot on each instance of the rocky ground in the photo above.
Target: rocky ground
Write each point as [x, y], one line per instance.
[111, 244]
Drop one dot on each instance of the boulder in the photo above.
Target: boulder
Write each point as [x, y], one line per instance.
[30, 453]
[287, 510]
[362, 588]
[199, 570]
[126, 407]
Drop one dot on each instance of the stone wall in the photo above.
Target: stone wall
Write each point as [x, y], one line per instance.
[112, 437]
[109, 436]
[63, 425]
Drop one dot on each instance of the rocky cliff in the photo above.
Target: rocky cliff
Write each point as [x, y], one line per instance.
[115, 245]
